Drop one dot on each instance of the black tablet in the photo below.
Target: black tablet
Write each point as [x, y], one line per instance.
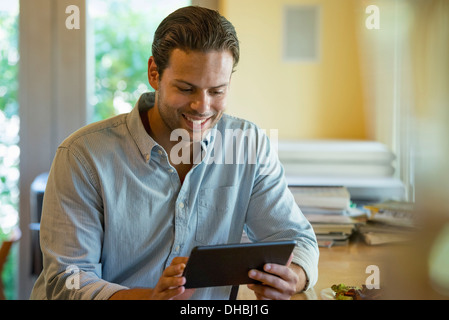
[222, 265]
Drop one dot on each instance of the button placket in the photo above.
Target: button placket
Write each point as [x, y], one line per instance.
[179, 228]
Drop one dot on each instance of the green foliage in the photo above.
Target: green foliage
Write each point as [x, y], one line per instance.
[9, 152]
[9, 57]
[120, 61]
[123, 34]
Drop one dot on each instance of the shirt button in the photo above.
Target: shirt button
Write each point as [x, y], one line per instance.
[177, 248]
[147, 157]
[170, 170]
[181, 205]
[159, 151]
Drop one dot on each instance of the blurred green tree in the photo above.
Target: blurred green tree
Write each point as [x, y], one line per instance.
[9, 139]
[9, 58]
[123, 34]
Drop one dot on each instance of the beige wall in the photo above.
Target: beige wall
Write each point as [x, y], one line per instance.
[321, 99]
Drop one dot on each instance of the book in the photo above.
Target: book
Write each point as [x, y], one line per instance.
[332, 199]
[328, 209]
[330, 219]
[332, 230]
[332, 243]
[332, 239]
[375, 233]
[397, 213]
[389, 222]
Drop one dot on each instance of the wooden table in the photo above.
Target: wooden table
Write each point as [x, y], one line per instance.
[341, 264]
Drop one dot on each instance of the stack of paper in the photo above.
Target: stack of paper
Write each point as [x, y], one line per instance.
[389, 222]
[321, 199]
[328, 210]
[332, 230]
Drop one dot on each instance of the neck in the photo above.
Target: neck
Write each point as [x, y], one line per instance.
[159, 132]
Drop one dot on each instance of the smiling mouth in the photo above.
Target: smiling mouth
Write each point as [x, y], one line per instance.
[195, 121]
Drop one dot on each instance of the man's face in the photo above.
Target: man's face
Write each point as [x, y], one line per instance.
[193, 90]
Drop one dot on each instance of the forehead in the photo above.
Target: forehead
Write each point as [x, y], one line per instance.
[204, 69]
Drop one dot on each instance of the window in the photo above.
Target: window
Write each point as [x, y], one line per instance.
[122, 38]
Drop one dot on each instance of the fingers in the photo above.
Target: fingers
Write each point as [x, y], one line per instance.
[290, 260]
[275, 275]
[171, 282]
[182, 262]
[278, 282]
[179, 260]
[172, 276]
[174, 270]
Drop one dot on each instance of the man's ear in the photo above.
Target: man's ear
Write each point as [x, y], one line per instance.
[153, 73]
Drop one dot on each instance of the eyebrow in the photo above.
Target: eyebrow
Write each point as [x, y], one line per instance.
[194, 86]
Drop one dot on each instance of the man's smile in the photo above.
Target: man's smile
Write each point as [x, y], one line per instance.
[195, 122]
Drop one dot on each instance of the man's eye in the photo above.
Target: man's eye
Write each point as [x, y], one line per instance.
[185, 90]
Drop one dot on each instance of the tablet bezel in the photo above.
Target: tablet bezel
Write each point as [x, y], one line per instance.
[211, 266]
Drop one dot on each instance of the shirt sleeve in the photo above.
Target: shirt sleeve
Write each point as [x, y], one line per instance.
[274, 215]
[71, 233]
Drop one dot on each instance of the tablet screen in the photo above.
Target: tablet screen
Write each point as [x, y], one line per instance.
[222, 265]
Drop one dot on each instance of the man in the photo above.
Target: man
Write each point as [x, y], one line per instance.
[129, 197]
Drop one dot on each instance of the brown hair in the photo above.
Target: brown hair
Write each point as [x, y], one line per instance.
[193, 29]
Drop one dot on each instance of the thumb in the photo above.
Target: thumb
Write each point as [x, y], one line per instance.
[289, 260]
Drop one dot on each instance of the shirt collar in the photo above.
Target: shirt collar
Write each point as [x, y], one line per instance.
[144, 142]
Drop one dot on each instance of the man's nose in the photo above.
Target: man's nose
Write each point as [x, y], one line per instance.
[201, 103]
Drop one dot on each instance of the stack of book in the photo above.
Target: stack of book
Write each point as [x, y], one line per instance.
[389, 222]
[328, 209]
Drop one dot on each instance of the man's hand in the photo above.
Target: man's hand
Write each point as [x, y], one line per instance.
[278, 282]
[171, 284]
[169, 287]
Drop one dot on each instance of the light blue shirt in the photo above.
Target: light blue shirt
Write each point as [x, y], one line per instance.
[115, 212]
